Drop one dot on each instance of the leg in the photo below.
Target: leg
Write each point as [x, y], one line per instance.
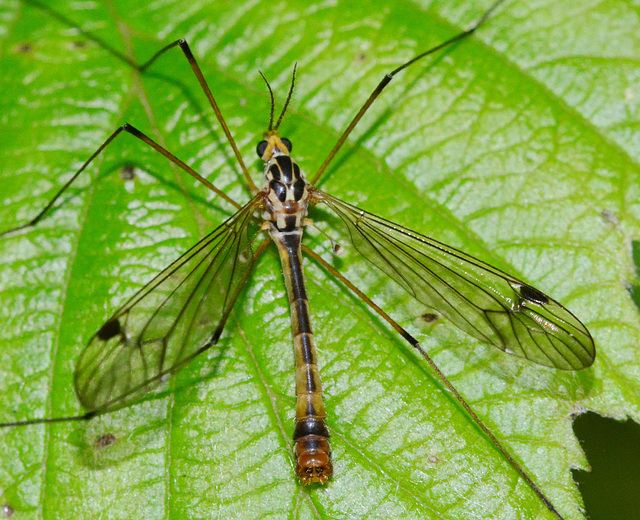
[414, 343]
[184, 46]
[387, 79]
[136, 133]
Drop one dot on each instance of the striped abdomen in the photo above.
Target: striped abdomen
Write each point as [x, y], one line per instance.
[311, 436]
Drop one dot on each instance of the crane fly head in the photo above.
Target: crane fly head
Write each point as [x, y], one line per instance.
[272, 146]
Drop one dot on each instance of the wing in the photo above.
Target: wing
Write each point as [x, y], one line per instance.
[483, 301]
[175, 317]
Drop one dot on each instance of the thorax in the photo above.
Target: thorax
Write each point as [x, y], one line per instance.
[286, 194]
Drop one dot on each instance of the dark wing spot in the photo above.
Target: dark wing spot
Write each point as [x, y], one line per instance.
[7, 510]
[533, 295]
[429, 317]
[109, 330]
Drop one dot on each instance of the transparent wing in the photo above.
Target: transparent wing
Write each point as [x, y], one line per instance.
[175, 317]
[483, 301]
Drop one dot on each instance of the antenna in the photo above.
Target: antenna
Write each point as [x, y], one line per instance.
[273, 103]
[289, 96]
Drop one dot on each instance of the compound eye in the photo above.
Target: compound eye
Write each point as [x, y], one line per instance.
[279, 189]
[260, 149]
[287, 143]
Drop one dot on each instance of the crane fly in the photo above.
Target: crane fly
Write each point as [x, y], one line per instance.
[182, 312]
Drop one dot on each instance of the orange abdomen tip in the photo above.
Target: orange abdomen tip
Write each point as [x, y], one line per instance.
[313, 459]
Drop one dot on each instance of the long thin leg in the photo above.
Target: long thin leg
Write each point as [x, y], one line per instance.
[184, 46]
[192, 61]
[136, 133]
[387, 79]
[414, 343]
